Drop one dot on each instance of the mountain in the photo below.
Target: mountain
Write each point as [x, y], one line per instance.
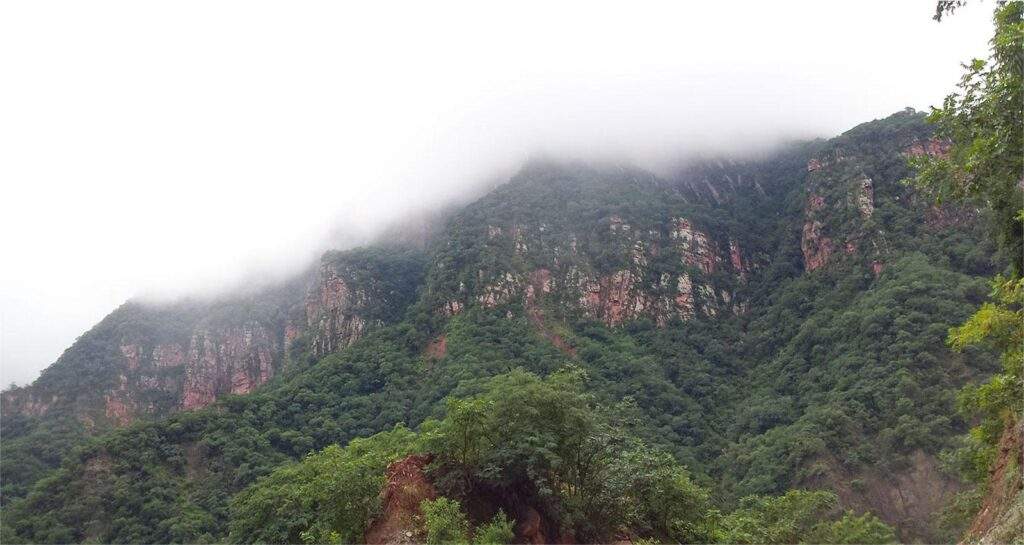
[777, 322]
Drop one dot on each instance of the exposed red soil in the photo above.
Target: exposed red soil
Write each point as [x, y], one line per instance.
[401, 520]
[537, 319]
[1004, 482]
[437, 348]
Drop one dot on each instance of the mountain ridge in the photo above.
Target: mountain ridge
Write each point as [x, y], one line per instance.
[680, 292]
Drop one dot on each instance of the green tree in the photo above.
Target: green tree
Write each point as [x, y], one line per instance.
[496, 532]
[1000, 400]
[800, 516]
[984, 122]
[327, 497]
[852, 529]
[446, 523]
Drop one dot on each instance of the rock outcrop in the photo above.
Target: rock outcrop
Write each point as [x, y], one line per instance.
[565, 277]
[160, 358]
[231, 361]
[931, 147]
[695, 246]
[817, 248]
[333, 311]
[865, 197]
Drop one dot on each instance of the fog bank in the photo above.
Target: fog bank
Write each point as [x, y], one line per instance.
[172, 149]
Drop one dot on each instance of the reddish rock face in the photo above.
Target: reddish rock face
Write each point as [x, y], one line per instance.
[615, 298]
[332, 312]
[816, 248]
[118, 405]
[168, 355]
[877, 267]
[235, 360]
[736, 257]
[684, 297]
[132, 353]
[813, 165]
[697, 250]
[932, 148]
[117, 411]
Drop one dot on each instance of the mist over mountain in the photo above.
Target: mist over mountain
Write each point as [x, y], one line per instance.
[178, 166]
[749, 307]
[493, 274]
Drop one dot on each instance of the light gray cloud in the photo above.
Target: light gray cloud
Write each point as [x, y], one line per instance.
[175, 148]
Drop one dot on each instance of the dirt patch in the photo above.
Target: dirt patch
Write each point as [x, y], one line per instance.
[536, 317]
[1005, 482]
[908, 499]
[437, 348]
[401, 520]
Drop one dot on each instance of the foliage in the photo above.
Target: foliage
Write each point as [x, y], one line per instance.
[550, 440]
[984, 122]
[498, 531]
[826, 373]
[1000, 400]
[852, 529]
[446, 523]
[327, 497]
[799, 516]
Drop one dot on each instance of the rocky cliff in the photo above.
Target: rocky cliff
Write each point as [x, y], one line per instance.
[774, 322]
[150, 359]
[613, 264]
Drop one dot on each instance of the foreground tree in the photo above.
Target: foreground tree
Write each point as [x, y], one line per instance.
[984, 123]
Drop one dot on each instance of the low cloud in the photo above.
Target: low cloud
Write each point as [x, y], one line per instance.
[177, 149]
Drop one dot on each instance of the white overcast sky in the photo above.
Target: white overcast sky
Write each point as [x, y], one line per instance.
[174, 147]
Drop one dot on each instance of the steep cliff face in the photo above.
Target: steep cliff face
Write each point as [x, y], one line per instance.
[851, 179]
[609, 263]
[778, 323]
[331, 312]
[356, 291]
[215, 361]
[233, 360]
[149, 360]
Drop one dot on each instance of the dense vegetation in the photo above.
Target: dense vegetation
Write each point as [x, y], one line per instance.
[545, 443]
[73, 387]
[983, 121]
[829, 378]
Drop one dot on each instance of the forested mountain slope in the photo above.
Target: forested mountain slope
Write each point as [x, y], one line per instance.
[776, 323]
